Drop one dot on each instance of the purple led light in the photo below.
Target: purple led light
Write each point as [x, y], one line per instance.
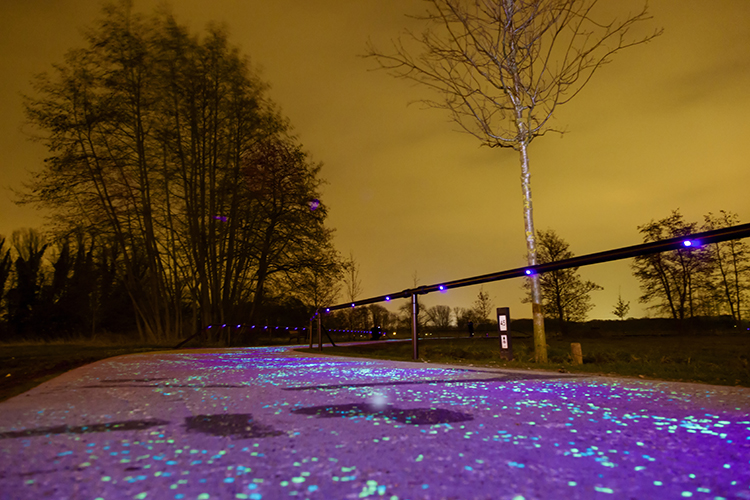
[352, 304]
[529, 272]
[314, 204]
[441, 288]
[387, 299]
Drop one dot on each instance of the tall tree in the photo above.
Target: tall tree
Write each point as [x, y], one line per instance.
[5, 268]
[163, 142]
[671, 278]
[24, 298]
[731, 264]
[567, 297]
[502, 68]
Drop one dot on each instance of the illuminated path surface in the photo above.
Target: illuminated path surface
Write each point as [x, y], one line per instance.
[269, 423]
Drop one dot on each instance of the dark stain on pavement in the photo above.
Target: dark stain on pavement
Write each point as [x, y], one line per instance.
[236, 426]
[413, 416]
[125, 425]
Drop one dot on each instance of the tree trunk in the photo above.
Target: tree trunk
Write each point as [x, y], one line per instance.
[540, 339]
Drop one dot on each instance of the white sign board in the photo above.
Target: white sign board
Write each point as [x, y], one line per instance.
[503, 323]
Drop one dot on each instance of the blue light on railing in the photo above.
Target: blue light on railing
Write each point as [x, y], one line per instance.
[387, 299]
[529, 272]
[441, 288]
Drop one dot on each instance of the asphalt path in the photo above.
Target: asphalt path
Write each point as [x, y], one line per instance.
[271, 423]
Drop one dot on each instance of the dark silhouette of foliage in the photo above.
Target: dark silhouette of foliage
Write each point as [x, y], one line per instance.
[164, 146]
[567, 297]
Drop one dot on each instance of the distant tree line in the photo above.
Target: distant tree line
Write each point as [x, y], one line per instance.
[174, 183]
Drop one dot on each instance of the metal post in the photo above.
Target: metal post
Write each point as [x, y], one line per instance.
[414, 314]
[320, 334]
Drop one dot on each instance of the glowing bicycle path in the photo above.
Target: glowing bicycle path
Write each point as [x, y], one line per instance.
[269, 423]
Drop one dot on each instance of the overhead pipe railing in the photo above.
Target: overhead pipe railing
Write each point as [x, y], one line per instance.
[689, 241]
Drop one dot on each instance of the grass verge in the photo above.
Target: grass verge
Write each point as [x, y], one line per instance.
[715, 359]
[24, 366]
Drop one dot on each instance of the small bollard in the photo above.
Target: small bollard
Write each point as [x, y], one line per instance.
[576, 353]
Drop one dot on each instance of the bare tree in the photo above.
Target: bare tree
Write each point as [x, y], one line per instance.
[163, 143]
[731, 266]
[502, 67]
[482, 306]
[439, 316]
[352, 287]
[567, 297]
[671, 278]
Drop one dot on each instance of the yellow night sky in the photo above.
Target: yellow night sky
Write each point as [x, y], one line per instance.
[664, 126]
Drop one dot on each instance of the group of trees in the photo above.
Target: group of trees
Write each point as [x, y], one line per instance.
[704, 280]
[180, 174]
[54, 290]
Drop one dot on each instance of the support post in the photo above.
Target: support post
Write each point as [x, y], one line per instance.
[320, 334]
[414, 316]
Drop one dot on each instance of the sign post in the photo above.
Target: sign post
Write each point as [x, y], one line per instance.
[503, 326]
[414, 324]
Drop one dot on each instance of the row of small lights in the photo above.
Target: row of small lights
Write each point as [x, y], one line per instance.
[287, 328]
[529, 272]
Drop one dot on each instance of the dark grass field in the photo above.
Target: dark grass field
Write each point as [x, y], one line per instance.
[24, 366]
[711, 359]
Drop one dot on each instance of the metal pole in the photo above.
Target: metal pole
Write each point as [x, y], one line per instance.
[320, 334]
[414, 314]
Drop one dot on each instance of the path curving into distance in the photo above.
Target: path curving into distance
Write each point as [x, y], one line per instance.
[271, 423]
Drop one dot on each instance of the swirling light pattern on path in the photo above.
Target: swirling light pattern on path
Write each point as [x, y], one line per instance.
[269, 423]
